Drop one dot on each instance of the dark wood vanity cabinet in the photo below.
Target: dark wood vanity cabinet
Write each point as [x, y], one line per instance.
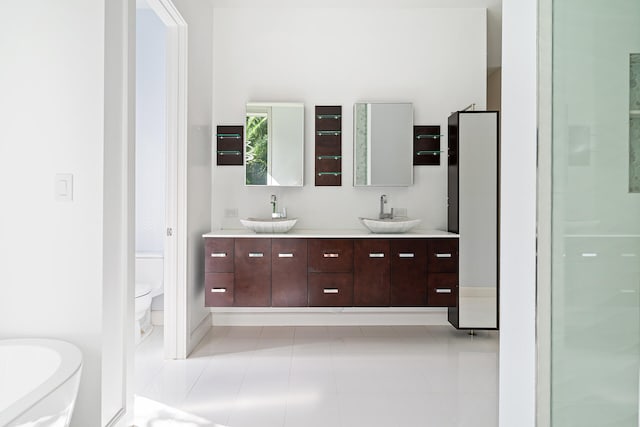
[316, 272]
[408, 272]
[330, 256]
[330, 289]
[330, 272]
[442, 289]
[372, 273]
[252, 264]
[218, 272]
[442, 279]
[288, 272]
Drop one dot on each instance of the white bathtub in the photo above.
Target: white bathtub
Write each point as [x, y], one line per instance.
[39, 381]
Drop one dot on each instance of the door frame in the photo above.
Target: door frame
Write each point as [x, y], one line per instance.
[175, 243]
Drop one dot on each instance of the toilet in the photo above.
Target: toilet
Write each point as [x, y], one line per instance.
[149, 286]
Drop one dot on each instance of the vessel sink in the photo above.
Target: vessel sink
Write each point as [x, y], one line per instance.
[269, 225]
[389, 225]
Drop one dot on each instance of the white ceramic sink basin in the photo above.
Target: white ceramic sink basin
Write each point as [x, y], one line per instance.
[269, 225]
[389, 225]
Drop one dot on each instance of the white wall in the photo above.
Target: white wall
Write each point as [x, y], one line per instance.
[52, 121]
[518, 215]
[434, 58]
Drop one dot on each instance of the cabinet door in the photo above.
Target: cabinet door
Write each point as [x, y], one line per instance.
[218, 288]
[330, 256]
[443, 256]
[252, 287]
[218, 255]
[408, 272]
[288, 272]
[330, 289]
[371, 273]
[442, 289]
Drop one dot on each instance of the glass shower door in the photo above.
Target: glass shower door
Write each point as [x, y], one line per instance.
[595, 327]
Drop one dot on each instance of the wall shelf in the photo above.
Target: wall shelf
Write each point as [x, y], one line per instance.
[428, 136]
[229, 140]
[328, 145]
[426, 145]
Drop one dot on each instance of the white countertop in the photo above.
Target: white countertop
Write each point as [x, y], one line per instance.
[337, 234]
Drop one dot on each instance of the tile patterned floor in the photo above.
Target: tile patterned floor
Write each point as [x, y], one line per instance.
[345, 376]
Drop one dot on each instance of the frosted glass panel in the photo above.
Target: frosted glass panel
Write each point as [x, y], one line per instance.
[595, 344]
[151, 135]
[634, 123]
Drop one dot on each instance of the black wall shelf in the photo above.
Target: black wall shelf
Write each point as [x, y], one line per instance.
[426, 145]
[328, 156]
[229, 145]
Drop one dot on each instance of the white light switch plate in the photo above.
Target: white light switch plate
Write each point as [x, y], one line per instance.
[63, 187]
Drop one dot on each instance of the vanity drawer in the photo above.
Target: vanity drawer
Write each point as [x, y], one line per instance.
[442, 256]
[288, 272]
[372, 269]
[252, 287]
[218, 255]
[408, 272]
[330, 256]
[218, 289]
[330, 289]
[442, 289]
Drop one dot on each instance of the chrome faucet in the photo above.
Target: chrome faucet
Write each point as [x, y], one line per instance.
[274, 213]
[383, 201]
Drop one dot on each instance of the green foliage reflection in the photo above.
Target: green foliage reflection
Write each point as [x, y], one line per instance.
[256, 150]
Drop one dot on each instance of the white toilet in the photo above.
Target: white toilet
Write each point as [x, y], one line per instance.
[149, 284]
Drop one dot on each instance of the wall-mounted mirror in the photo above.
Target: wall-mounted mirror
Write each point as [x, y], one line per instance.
[383, 144]
[274, 144]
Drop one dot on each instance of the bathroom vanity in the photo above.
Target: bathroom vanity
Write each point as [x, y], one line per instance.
[337, 269]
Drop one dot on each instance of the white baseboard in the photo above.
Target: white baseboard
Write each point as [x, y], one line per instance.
[307, 316]
[157, 317]
[199, 332]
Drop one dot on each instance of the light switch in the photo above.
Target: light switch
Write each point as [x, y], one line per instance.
[231, 213]
[63, 187]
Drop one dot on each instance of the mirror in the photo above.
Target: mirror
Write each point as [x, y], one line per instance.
[383, 144]
[274, 144]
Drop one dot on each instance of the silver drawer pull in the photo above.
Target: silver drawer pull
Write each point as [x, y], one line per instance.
[218, 290]
[218, 255]
[332, 255]
[443, 255]
[376, 255]
[256, 254]
[443, 291]
[330, 290]
[287, 255]
[589, 254]
[406, 255]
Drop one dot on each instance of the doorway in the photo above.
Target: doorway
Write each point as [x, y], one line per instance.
[160, 146]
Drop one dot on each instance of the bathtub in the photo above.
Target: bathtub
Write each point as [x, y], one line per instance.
[39, 381]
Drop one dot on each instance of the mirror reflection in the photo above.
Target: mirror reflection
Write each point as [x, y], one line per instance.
[383, 144]
[274, 144]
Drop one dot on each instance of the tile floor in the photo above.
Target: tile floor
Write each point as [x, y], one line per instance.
[322, 376]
